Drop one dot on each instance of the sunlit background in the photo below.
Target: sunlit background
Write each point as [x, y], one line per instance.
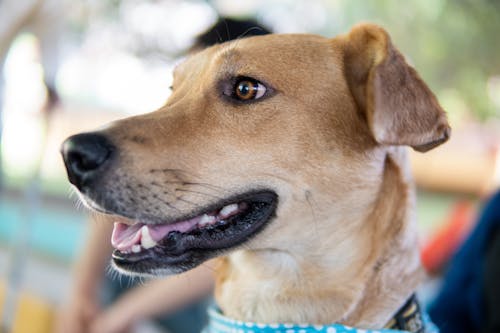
[115, 58]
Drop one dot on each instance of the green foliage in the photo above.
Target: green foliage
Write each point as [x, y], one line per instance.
[454, 44]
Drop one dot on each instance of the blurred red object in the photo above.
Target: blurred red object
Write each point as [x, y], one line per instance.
[441, 246]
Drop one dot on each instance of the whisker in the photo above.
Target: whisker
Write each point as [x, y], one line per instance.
[248, 30]
[218, 34]
[78, 204]
[113, 274]
[189, 202]
[227, 29]
[184, 183]
[168, 204]
[72, 192]
[199, 192]
[211, 186]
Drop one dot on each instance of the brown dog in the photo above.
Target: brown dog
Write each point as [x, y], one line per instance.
[281, 155]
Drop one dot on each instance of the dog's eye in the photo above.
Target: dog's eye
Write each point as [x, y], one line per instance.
[247, 89]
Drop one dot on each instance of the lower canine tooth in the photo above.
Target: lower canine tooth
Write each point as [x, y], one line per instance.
[136, 248]
[146, 241]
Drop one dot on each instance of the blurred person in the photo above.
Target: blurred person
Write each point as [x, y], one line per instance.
[44, 19]
[469, 301]
[179, 302]
[226, 29]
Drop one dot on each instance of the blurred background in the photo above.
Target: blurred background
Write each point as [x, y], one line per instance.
[70, 66]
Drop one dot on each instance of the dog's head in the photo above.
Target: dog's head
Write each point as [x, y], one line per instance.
[264, 143]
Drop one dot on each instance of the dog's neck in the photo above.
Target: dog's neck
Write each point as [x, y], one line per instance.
[278, 286]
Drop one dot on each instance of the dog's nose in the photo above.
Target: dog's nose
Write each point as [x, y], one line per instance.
[85, 156]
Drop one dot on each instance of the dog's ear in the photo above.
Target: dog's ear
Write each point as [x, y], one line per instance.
[399, 107]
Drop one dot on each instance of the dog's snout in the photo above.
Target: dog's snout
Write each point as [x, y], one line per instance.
[85, 156]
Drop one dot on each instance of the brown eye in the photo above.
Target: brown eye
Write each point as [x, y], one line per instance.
[248, 89]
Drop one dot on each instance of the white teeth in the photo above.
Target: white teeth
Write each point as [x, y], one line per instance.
[207, 219]
[136, 248]
[228, 210]
[146, 241]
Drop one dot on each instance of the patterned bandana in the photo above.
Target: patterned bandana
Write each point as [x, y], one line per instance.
[218, 323]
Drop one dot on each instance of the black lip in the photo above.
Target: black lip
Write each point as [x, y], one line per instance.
[178, 252]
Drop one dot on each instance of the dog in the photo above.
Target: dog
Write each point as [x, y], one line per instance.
[284, 156]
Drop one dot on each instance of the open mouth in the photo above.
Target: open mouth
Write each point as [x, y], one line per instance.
[180, 245]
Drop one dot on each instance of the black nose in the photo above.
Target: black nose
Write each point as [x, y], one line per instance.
[85, 156]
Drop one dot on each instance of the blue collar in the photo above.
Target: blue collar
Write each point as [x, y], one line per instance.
[218, 323]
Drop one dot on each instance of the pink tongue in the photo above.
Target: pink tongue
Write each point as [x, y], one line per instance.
[159, 231]
[125, 236]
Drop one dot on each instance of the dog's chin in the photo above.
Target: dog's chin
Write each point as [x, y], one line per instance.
[151, 248]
